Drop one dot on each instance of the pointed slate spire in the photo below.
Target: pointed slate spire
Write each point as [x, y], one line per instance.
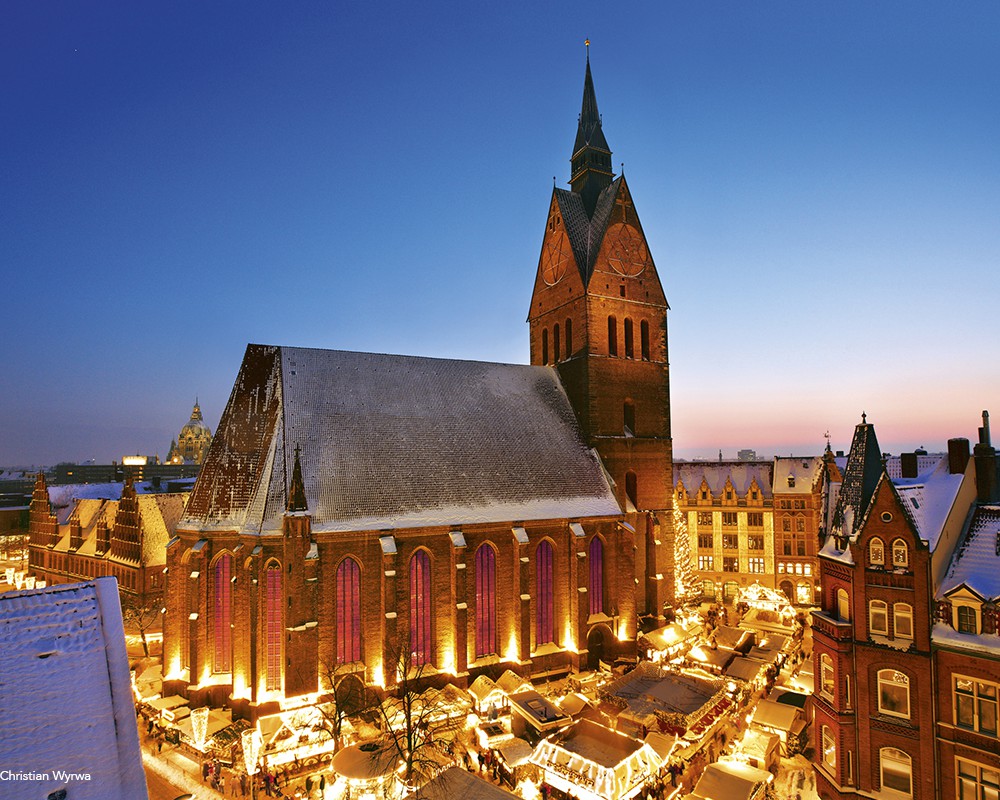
[591, 162]
[861, 476]
[297, 491]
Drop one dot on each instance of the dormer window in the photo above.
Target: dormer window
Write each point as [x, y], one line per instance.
[900, 554]
[876, 553]
[791, 481]
[965, 620]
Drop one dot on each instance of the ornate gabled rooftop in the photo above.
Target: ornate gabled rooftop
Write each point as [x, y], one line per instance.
[861, 476]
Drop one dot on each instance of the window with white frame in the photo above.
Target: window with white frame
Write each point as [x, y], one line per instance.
[829, 748]
[976, 705]
[893, 693]
[965, 619]
[827, 678]
[876, 553]
[755, 565]
[902, 620]
[878, 617]
[976, 781]
[843, 606]
[706, 563]
[900, 554]
[897, 770]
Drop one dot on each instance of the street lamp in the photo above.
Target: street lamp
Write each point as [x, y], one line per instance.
[251, 741]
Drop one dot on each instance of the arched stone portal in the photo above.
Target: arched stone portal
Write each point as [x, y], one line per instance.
[596, 645]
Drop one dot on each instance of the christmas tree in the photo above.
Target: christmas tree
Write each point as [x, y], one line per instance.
[688, 588]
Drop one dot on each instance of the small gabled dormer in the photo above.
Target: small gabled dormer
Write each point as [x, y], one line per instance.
[704, 493]
[966, 610]
[729, 493]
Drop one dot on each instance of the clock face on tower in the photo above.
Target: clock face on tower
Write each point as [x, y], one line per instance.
[555, 258]
[627, 252]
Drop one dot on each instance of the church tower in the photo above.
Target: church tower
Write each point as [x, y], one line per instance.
[599, 316]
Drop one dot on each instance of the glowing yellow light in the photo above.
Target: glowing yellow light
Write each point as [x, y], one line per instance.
[378, 679]
[512, 653]
[622, 630]
[448, 660]
[568, 639]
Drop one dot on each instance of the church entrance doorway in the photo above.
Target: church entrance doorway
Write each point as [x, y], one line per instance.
[596, 640]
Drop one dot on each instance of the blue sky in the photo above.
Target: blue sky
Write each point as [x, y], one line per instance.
[819, 182]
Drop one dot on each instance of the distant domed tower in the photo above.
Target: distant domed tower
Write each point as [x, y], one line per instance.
[191, 445]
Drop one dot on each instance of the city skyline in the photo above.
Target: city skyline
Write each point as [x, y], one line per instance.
[820, 191]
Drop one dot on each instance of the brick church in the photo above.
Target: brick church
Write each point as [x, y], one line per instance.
[477, 516]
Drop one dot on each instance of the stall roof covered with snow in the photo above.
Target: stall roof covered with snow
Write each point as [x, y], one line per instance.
[395, 442]
[590, 761]
[456, 782]
[731, 780]
[66, 696]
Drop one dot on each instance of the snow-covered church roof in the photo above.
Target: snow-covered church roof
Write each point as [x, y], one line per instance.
[396, 441]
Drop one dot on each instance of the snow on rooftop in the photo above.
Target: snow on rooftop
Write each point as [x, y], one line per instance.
[64, 648]
[740, 473]
[945, 635]
[976, 562]
[929, 497]
[396, 441]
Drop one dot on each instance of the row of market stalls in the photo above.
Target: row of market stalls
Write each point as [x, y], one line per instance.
[594, 735]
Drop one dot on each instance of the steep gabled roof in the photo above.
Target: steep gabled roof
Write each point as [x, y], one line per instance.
[396, 441]
[861, 475]
[976, 563]
[585, 233]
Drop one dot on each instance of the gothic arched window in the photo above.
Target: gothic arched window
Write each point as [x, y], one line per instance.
[644, 339]
[596, 558]
[557, 349]
[222, 614]
[420, 608]
[545, 346]
[569, 338]
[629, 346]
[273, 625]
[486, 601]
[348, 612]
[612, 336]
[544, 595]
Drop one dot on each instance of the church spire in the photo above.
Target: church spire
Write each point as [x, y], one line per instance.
[297, 491]
[591, 162]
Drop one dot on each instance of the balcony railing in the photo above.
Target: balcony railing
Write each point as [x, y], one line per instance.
[837, 629]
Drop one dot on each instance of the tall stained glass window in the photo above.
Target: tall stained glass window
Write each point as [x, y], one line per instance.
[222, 614]
[486, 601]
[273, 625]
[544, 597]
[420, 608]
[596, 558]
[348, 612]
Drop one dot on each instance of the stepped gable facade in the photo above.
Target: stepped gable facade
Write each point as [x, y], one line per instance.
[122, 534]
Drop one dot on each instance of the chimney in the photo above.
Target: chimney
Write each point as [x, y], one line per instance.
[908, 464]
[987, 484]
[958, 455]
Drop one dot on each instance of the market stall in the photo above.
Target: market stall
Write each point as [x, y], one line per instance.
[592, 762]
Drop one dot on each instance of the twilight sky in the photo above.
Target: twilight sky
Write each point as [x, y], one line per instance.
[819, 182]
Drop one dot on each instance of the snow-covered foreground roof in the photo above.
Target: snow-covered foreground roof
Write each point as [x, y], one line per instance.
[68, 718]
[396, 441]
